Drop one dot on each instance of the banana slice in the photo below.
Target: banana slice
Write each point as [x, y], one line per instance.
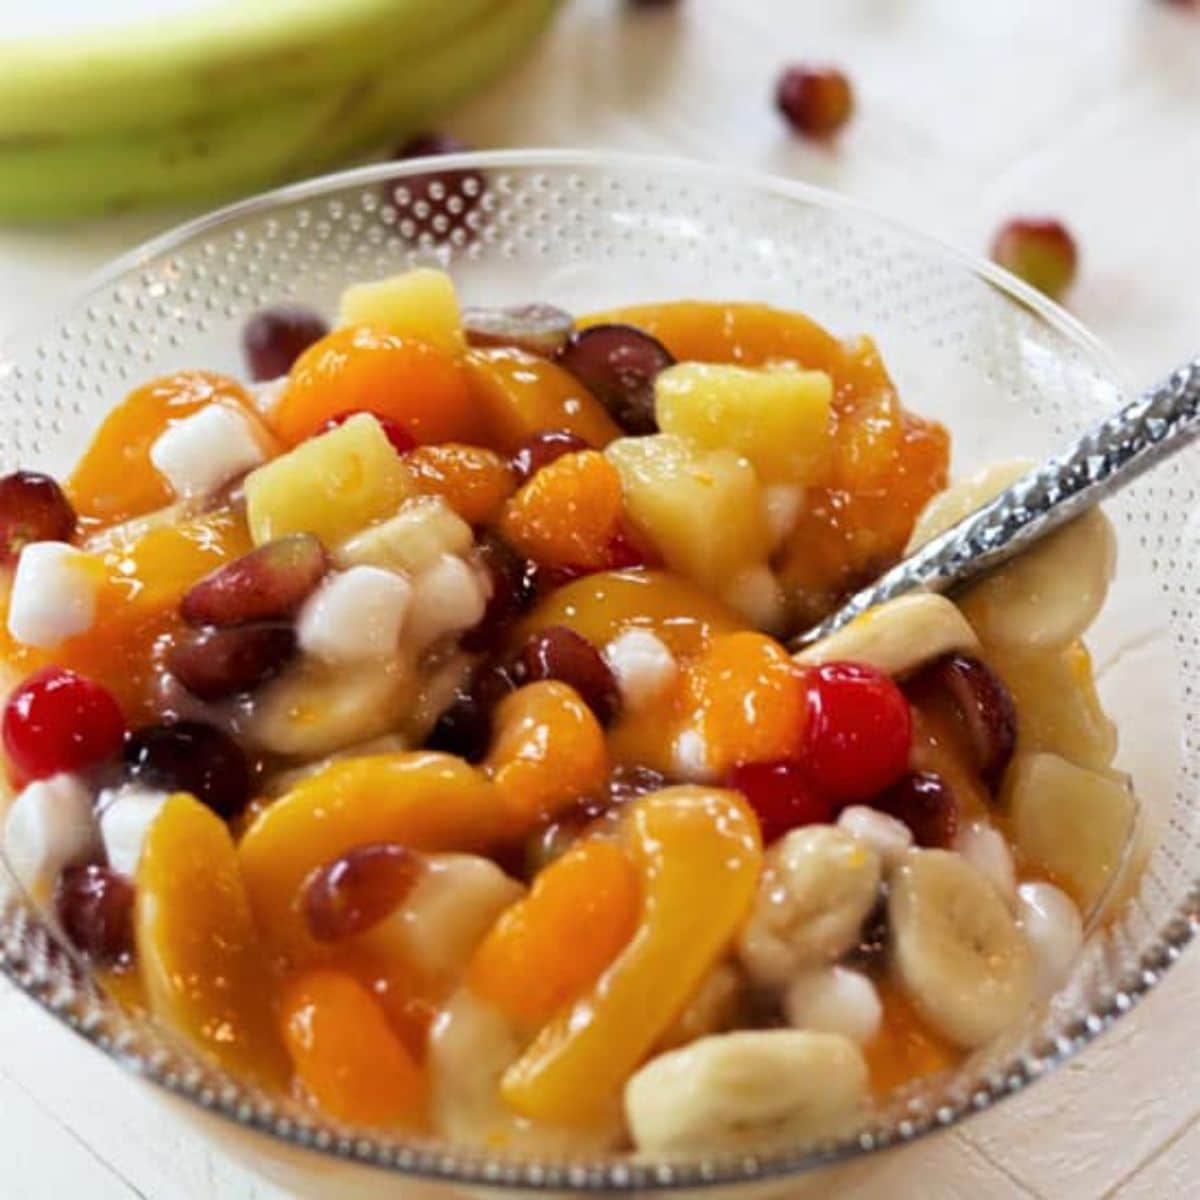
[962, 498]
[752, 1090]
[1072, 823]
[818, 885]
[313, 710]
[957, 949]
[897, 637]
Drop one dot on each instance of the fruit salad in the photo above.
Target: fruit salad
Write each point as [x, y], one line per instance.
[413, 726]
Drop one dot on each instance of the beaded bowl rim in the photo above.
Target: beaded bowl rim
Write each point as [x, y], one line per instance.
[466, 1166]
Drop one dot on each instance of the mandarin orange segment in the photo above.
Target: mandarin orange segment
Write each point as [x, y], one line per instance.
[363, 368]
[115, 480]
[568, 514]
[202, 965]
[547, 752]
[698, 856]
[522, 394]
[549, 948]
[603, 605]
[905, 1048]
[746, 698]
[346, 1057]
[474, 481]
[423, 800]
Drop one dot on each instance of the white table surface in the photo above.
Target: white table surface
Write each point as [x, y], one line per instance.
[969, 111]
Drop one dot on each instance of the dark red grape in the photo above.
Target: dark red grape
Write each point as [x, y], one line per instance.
[1039, 250]
[538, 329]
[989, 715]
[560, 653]
[782, 796]
[816, 101]
[434, 202]
[925, 803]
[190, 756]
[542, 449]
[215, 663]
[402, 441]
[59, 721]
[95, 908]
[33, 508]
[268, 584]
[357, 890]
[274, 338]
[512, 580]
[465, 728]
[618, 365]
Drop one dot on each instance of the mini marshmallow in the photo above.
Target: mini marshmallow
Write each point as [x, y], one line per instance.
[355, 616]
[199, 453]
[756, 594]
[783, 503]
[890, 837]
[1054, 930]
[53, 594]
[987, 851]
[643, 666]
[834, 1000]
[126, 814]
[689, 756]
[448, 597]
[50, 826]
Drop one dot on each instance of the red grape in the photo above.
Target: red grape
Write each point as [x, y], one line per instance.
[560, 653]
[60, 721]
[274, 338]
[357, 890]
[465, 728]
[859, 728]
[215, 663]
[816, 101]
[268, 584]
[926, 804]
[1039, 250]
[511, 578]
[538, 329]
[986, 707]
[33, 508]
[190, 756]
[618, 365]
[542, 449]
[781, 795]
[95, 908]
[402, 441]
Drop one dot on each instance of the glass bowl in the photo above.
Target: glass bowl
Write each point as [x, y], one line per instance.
[1010, 374]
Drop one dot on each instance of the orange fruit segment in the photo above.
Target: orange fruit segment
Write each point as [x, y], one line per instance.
[549, 948]
[346, 1057]
[115, 479]
[474, 481]
[521, 394]
[698, 855]
[364, 368]
[202, 965]
[568, 514]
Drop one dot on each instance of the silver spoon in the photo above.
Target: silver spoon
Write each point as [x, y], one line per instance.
[1111, 454]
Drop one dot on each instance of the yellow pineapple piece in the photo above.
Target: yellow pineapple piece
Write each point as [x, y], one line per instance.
[702, 509]
[425, 529]
[420, 304]
[332, 485]
[778, 419]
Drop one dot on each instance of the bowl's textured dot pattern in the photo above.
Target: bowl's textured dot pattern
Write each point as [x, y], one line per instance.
[1008, 374]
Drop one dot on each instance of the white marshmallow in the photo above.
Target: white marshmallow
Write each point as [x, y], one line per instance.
[643, 665]
[448, 597]
[783, 503]
[834, 1000]
[199, 453]
[689, 756]
[53, 594]
[1054, 930]
[355, 616]
[50, 826]
[987, 851]
[126, 814]
[756, 594]
[890, 837]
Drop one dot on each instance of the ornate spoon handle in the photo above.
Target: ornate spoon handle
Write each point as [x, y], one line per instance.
[1110, 455]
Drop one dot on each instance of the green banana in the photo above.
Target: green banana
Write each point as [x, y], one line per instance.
[225, 151]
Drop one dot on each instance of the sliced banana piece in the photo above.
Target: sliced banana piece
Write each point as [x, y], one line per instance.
[818, 885]
[1048, 595]
[313, 710]
[898, 637]
[752, 1090]
[957, 949]
[1076, 825]
[962, 498]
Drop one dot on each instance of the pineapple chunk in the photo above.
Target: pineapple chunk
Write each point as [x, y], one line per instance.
[703, 509]
[424, 530]
[778, 419]
[420, 304]
[332, 485]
